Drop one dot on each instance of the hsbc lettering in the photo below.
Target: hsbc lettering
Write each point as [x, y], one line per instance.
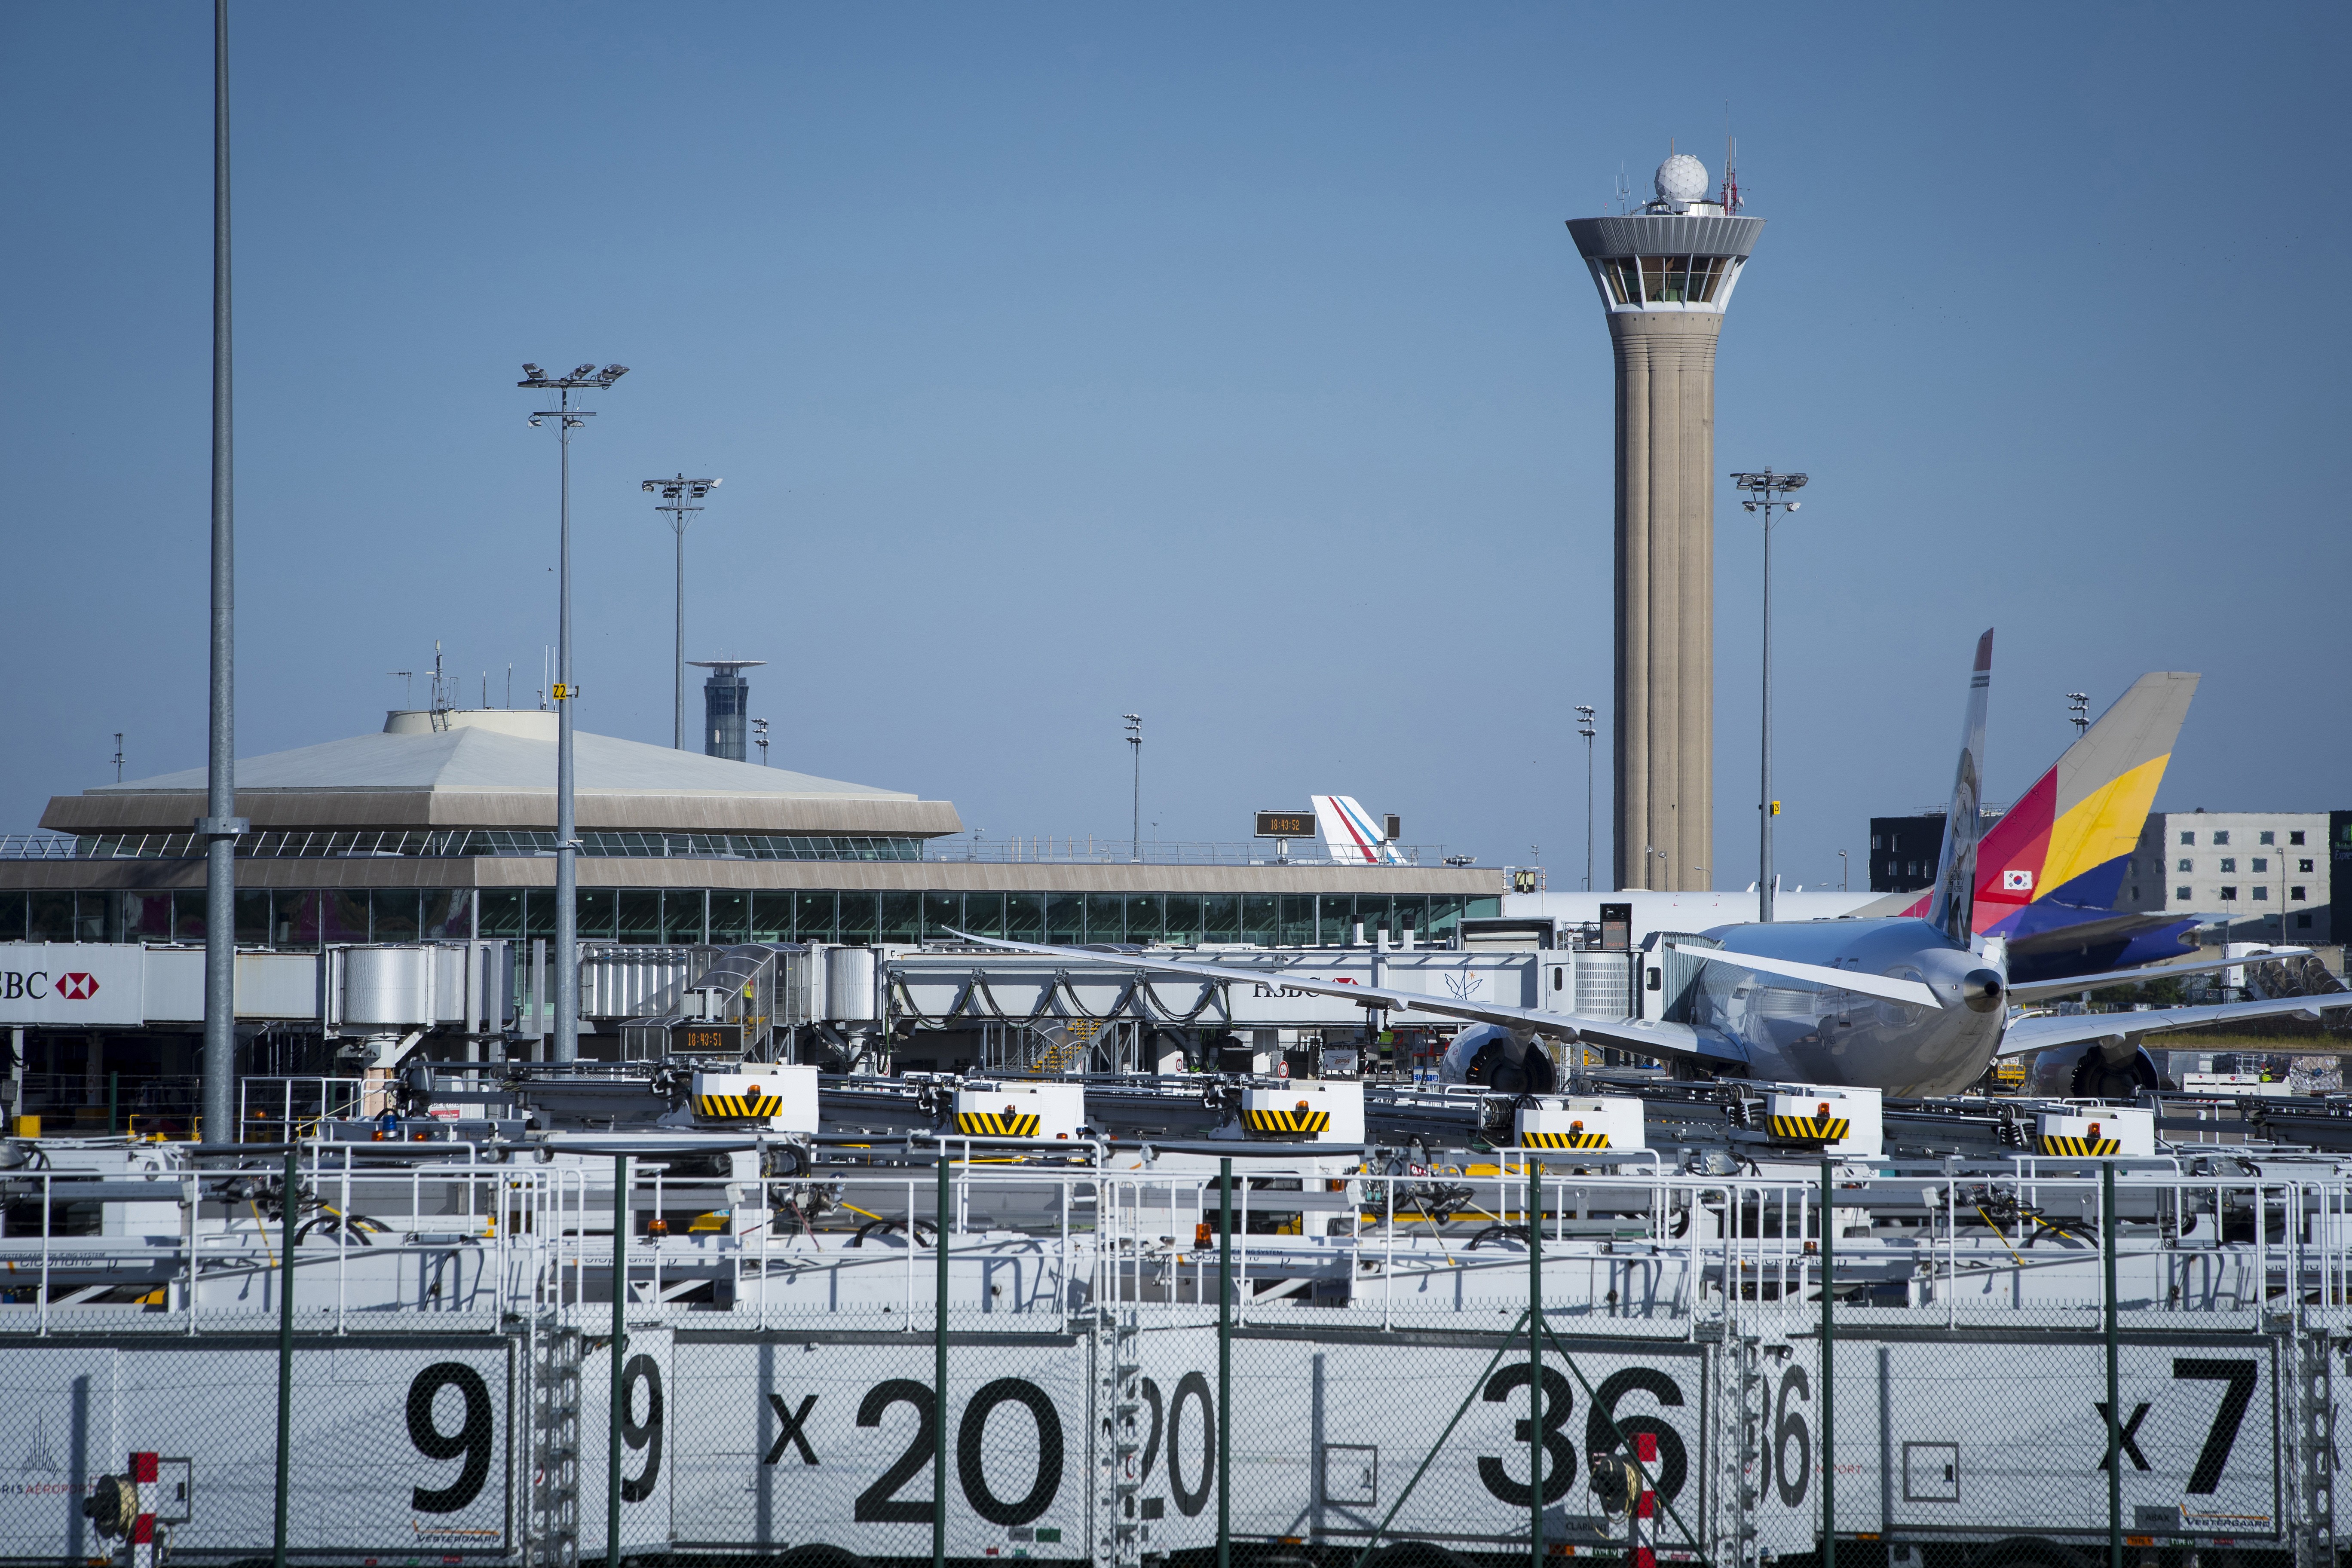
[16, 985]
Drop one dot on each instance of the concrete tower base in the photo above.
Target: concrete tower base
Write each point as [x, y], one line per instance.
[1665, 598]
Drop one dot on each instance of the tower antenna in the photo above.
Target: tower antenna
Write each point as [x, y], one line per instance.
[1730, 166]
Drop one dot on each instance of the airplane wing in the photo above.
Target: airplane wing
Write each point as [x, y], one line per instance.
[2035, 991]
[2027, 1034]
[1646, 1036]
[1912, 991]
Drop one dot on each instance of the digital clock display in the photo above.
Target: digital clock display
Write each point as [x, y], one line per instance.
[706, 1039]
[1285, 825]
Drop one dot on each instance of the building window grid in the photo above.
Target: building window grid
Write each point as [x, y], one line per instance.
[301, 918]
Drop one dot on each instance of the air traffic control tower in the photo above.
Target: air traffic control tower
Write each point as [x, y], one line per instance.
[1665, 275]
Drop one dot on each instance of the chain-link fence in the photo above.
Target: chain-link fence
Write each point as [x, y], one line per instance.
[1063, 1364]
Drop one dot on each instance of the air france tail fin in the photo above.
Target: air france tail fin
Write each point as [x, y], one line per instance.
[1954, 910]
[1350, 836]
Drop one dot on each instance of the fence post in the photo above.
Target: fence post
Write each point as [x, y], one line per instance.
[1535, 1362]
[2114, 1370]
[1829, 1359]
[1224, 1362]
[285, 1355]
[940, 1369]
[620, 1351]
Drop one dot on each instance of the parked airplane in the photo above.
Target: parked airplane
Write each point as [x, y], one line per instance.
[1906, 1005]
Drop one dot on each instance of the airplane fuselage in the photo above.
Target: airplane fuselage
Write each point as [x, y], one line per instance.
[1809, 1032]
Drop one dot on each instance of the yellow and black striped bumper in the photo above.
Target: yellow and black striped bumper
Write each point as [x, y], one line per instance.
[1286, 1121]
[2082, 1148]
[995, 1124]
[1564, 1140]
[1809, 1128]
[738, 1106]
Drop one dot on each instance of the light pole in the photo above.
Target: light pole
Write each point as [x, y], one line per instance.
[2078, 712]
[759, 739]
[1135, 742]
[220, 826]
[1767, 491]
[567, 837]
[678, 496]
[1841, 870]
[1584, 728]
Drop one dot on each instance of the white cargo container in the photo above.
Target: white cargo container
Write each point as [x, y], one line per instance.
[1313, 1109]
[2122, 1132]
[773, 1097]
[1611, 1121]
[1011, 1108]
[1825, 1118]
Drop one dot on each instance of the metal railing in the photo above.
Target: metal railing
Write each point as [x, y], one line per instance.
[1648, 1249]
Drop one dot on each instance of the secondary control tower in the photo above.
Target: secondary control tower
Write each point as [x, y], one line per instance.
[1665, 275]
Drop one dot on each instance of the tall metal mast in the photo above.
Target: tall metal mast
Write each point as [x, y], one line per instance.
[220, 826]
[1766, 493]
[678, 496]
[567, 836]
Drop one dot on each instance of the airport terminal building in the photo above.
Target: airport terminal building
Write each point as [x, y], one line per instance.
[443, 826]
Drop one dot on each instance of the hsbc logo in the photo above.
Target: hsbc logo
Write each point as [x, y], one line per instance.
[79, 986]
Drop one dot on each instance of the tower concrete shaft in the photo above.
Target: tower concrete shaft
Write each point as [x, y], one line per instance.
[1665, 752]
[1666, 276]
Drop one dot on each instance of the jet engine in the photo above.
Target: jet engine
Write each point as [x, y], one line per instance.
[2093, 1071]
[1493, 1057]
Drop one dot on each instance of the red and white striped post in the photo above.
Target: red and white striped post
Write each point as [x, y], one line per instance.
[1643, 1514]
[143, 1527]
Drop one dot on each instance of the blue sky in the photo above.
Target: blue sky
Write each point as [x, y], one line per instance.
[1227, 364]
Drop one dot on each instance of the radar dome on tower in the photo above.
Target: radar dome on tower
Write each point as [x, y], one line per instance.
[1681, 180]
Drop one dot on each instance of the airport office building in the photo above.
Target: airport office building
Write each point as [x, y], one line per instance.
[442, 826]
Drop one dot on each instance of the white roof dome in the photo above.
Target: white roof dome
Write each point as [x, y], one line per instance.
[1682, 180]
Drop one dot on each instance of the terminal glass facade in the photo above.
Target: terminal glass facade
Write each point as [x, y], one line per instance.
[306, 918]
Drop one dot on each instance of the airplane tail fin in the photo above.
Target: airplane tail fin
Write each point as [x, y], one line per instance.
[1954, 909]
[2069, 838]
[1350, 836]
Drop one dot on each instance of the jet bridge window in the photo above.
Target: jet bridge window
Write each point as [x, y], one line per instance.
[2229, 862]
[2185, 867]
[2189, 838]
[2181, 893]
[2223, 836]
[2295, 895]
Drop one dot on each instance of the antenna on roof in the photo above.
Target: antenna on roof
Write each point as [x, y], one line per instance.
[440, 682]
[118, 756]
[1730, 166]
[1625, 190]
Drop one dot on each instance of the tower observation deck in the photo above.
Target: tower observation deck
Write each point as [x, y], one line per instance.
[1666, 276]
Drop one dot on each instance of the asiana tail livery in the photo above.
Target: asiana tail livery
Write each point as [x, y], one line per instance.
[1913, 1002]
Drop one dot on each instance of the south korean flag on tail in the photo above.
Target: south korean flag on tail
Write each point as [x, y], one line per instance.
[2017, 881]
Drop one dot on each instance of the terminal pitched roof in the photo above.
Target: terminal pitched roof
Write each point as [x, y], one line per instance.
[477, 759]
[478, 776]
